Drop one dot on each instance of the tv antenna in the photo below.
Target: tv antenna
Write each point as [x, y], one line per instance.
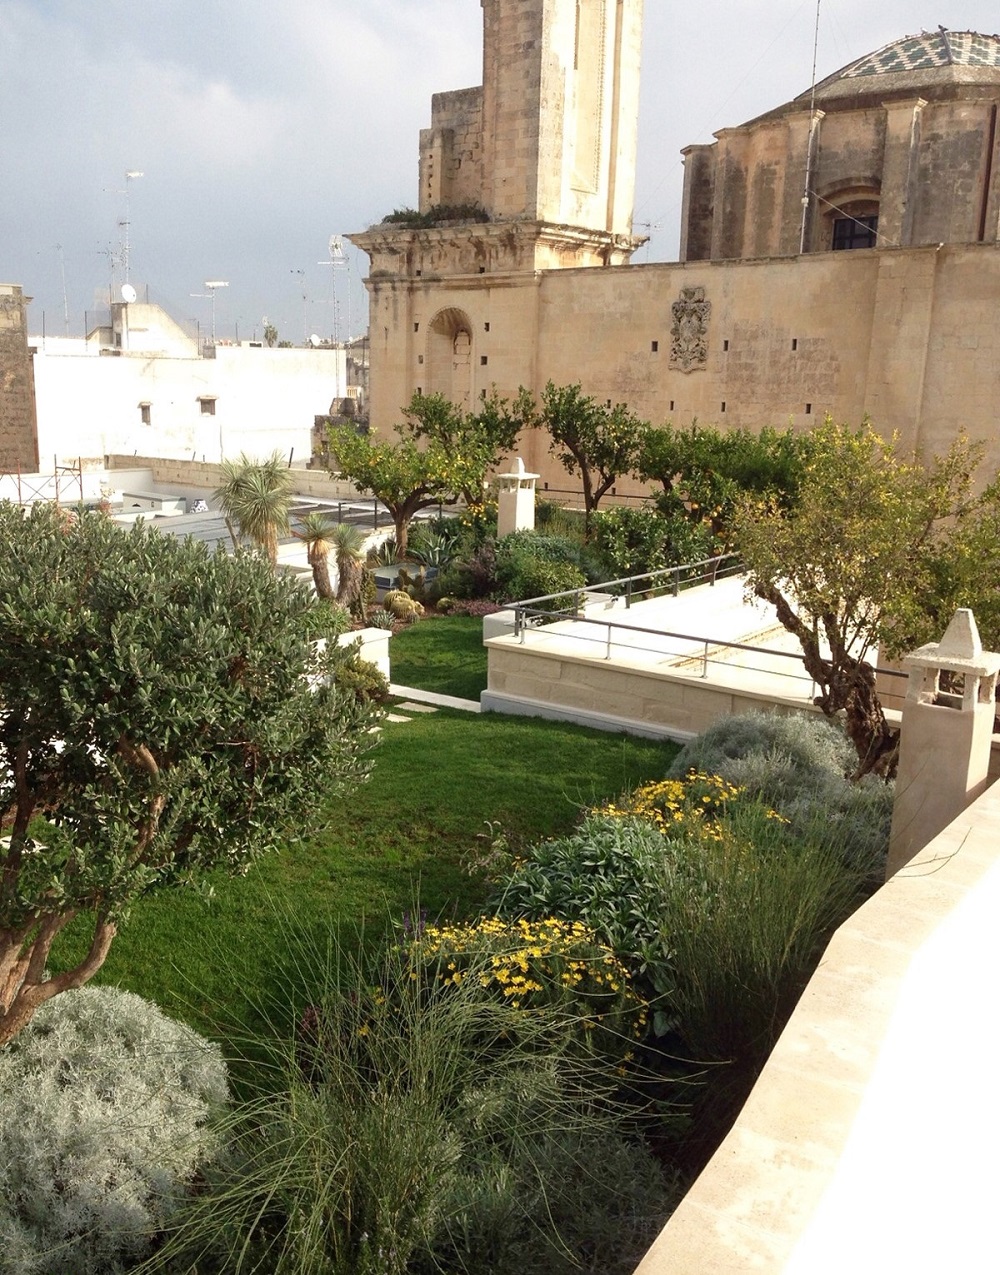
[338, 261]
[212, 285]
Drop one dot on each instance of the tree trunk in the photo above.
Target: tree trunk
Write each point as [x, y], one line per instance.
[351, 573]
[319, 562]
[848, 686]
[35, 989]
[402, 535]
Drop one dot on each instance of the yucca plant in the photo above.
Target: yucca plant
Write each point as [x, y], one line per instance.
[348, 544]
[256, 496]
[317, 533]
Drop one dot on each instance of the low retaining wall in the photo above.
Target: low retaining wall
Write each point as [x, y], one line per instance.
[530, 681]
[192, 473]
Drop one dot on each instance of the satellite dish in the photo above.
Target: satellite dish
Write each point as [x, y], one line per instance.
[315, 340]
[129, 293]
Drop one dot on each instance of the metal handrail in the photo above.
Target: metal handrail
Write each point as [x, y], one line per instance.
[529, 613]
[711, 569]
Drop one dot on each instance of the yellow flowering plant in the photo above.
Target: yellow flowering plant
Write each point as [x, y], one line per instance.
[539, 965]
[697, 804]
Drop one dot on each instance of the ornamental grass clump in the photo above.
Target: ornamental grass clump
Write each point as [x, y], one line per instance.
[415, 1125]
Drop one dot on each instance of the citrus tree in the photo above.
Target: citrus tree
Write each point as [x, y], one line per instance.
[163, 713]
[602, 443]
[859, 562]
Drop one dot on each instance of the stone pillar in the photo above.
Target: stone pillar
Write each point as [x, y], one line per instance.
[516, 510]
[947, 728]
[899, 173]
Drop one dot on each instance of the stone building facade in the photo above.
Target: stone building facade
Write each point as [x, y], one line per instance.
[18, 432]
[767, 319]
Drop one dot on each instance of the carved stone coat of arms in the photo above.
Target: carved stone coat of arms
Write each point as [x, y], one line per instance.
[689, 333]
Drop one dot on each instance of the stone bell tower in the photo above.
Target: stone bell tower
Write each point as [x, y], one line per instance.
[532, 170]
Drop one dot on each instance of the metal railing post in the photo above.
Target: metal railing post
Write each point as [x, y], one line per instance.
[704, 662]
[628, 594]
[607, 655]
[677, 582]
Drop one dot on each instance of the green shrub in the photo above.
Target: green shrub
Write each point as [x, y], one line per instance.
[361, 678]
[103, 1122]
[423, 1126]
[610, 874]
[529, 565]
[632, 540]
[327, 619]
[799, 765]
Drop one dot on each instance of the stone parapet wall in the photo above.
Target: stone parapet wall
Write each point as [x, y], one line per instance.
[192, 473]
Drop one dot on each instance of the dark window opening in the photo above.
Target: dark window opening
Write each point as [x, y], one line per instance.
[795, 342]
[723, 407]
[671, 404]
[486, 327]
[207, 406]
[483, 360]
[809, 408]
[855, 232]
[145, 413]
[725, 345]
[655, 347]
[416, 327]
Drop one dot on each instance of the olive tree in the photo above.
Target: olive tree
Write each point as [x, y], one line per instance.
[163, 712]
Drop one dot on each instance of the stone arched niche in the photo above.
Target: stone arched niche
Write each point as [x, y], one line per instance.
[449, 356]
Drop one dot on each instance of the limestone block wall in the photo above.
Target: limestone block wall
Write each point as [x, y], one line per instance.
[650, 700]
[18, 430]
[930, 168]
[451, 150]
[908, 336]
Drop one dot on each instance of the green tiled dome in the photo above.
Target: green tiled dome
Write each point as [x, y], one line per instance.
[925, 52]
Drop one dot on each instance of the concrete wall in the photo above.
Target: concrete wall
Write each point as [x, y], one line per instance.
[18, 443]
[89, 404]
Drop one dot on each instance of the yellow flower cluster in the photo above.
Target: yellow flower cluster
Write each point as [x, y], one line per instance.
[534, 963]
[693, 804]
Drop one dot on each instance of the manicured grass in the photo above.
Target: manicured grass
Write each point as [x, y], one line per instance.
[443, 653]
[440, 782]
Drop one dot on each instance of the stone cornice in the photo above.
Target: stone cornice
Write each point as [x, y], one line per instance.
[477, 248]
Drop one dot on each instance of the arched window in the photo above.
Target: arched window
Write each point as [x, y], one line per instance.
[449, 356]
[851, 217]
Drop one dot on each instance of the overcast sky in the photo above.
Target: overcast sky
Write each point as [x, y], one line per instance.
[263, 128]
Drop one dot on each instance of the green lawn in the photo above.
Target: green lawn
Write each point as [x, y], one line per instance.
[440, 781]
[443, 653]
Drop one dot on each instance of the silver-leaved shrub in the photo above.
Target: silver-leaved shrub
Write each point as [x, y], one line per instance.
[104, 1104]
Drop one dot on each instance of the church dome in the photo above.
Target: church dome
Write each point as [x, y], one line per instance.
[930, 58]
